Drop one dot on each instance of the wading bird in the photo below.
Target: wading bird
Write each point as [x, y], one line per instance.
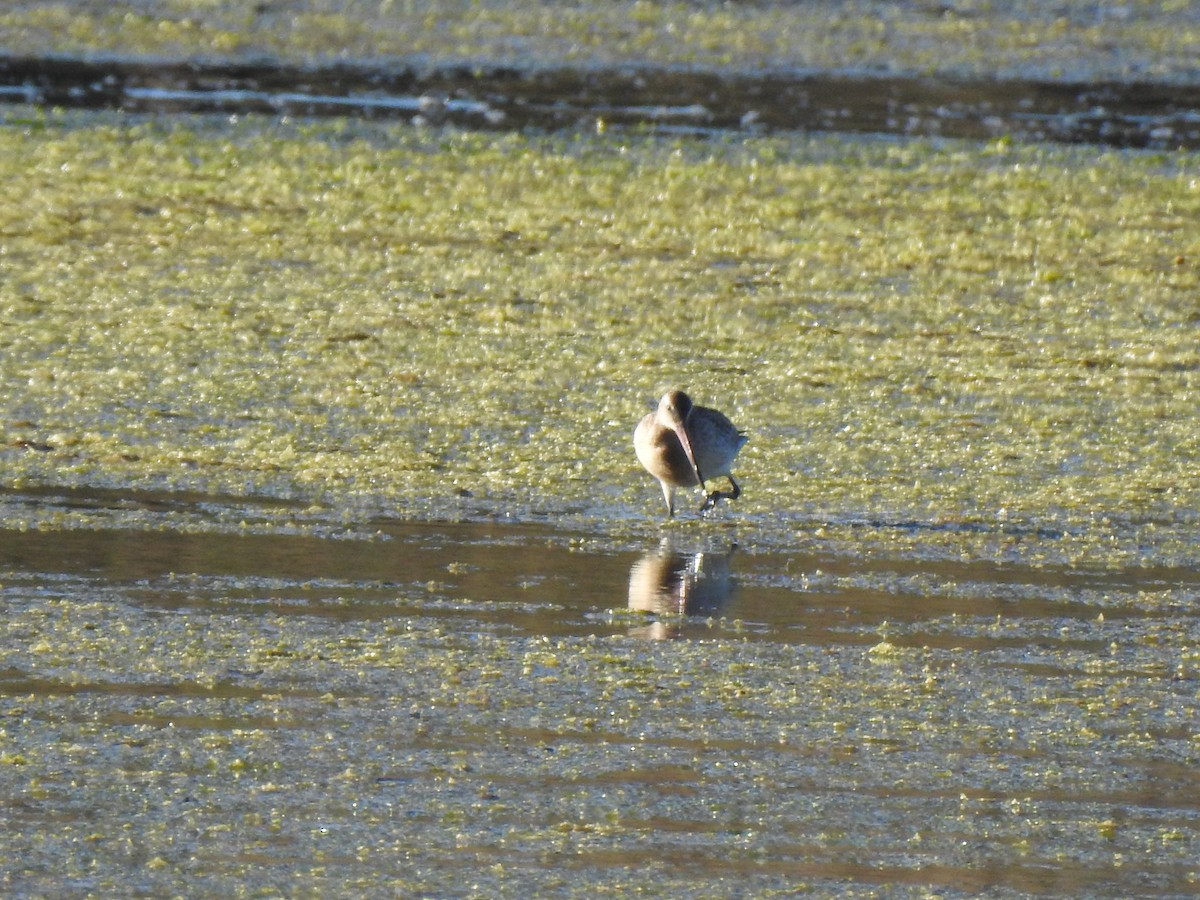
[684, 445]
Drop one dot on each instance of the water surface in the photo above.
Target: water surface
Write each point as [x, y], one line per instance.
[671, 100]
[466, 709]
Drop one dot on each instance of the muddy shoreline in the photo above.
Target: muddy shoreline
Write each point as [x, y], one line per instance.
[1115, 114]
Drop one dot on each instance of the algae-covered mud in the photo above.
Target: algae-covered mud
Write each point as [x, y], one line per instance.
[326, 565]
[1131, 40]
[987, 349]
[478, 710]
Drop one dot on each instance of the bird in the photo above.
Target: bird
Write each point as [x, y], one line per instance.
[683, 445]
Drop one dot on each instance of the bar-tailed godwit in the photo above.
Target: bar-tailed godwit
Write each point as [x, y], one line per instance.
[684, 445]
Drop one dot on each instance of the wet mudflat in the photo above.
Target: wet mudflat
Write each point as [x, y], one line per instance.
[326, 567]
[480, 708]
[1146, 40]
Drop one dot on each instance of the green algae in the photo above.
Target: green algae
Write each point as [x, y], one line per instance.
[987, 348]
[1137, 39]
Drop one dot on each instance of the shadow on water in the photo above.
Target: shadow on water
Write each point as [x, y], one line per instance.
[1119, 114]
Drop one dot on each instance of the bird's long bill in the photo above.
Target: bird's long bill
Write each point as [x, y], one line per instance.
[687, 449]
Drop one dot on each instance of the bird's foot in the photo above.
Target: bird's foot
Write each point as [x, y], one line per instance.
[711, 501]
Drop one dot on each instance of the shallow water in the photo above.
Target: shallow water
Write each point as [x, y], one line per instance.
[1109, 113]
[467, 709]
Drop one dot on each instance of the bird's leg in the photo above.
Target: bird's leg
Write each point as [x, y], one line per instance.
[736, 492]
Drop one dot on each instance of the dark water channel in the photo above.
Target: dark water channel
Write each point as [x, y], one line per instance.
[478, 709]
[1119, 114]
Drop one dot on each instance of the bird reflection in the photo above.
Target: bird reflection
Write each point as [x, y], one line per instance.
[672, 584]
